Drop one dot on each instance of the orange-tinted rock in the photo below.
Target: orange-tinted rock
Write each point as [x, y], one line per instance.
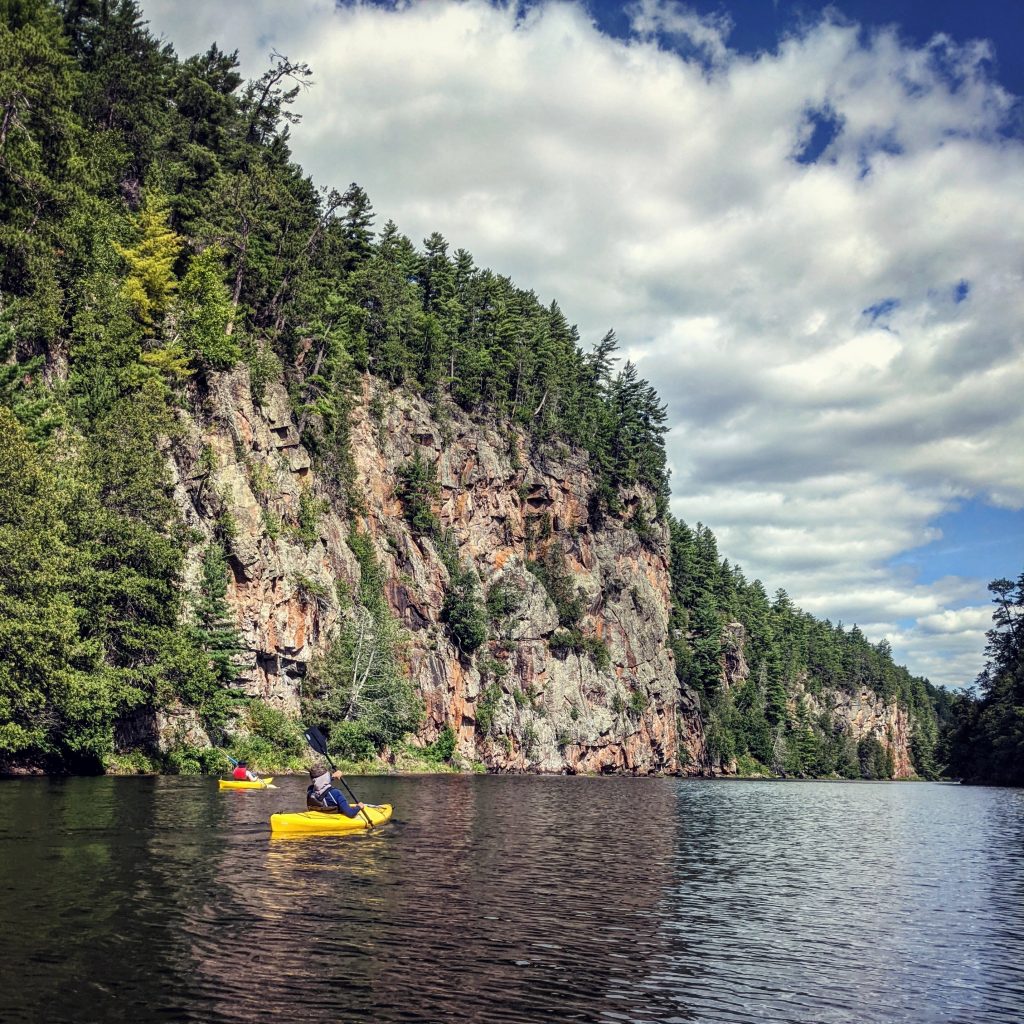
[555, 710]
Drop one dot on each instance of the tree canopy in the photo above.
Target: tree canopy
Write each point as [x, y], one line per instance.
[984, 741]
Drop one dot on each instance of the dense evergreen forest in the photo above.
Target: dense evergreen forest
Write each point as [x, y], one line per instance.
[984, 736]
[155, 231]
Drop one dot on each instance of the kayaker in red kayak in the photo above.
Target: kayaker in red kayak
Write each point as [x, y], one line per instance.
[322, 796]
[242, 773]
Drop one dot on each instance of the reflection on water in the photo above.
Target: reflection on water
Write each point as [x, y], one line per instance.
[514, 899]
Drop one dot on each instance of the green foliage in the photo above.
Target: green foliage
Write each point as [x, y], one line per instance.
[720, 738]
[578, 642]
[641, 526]
[310, 591]
[218, 634]
[983, 735]
[133, 762]
[270, 740]
[464, 612]
[311, 510]
[204, 312]
[360, 680]
[875, 759]
[279, 729]
[530, 738]
[264, 367]
[151, 283]
[443, 748]
[503, 600]
[553, 573]
[351, 741]
[418, 489]
[190, 760]
[486, 705]
[748, 766]
[271, 524]
[39, 632]
[371, 575]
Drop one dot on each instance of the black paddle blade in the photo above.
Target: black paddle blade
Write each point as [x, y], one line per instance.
[317, 740]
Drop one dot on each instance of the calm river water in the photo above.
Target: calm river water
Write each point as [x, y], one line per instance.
[514, 899]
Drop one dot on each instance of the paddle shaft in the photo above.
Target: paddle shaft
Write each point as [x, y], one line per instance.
[318, 742]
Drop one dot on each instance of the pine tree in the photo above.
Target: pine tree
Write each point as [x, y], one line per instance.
[216, 631]
[38, 629]
[357, 228]
[151, 283]
[204, 312]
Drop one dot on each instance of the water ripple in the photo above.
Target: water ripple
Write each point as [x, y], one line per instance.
[515, 899]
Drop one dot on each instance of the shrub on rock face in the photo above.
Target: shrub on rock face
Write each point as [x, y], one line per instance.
[464, 613]
[576, 641]
[502, 600]
[553, 573]
[486, 705]
[418, 488]
[443, 748]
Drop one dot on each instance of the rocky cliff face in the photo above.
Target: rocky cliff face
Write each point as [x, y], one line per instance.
[863, 714]
[240, 472]
[857, 715]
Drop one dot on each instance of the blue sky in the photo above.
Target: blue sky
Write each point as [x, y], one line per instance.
[758, 25]
[977, 539]
[804, 223]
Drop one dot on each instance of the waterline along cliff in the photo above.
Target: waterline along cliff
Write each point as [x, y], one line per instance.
[266, 460]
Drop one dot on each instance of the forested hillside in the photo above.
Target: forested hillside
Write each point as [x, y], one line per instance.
[780, 715]
[156, 237]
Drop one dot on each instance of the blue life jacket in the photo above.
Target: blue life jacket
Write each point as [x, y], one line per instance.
[330, 800]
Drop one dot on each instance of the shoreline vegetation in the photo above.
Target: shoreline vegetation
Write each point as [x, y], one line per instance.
[408, 765]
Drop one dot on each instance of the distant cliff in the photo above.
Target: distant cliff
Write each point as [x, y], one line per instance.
[845, 726]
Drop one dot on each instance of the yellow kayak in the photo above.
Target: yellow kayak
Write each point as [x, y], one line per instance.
[247, 784]
[311, 822]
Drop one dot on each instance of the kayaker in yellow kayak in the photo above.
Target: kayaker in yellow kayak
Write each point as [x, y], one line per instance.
[322, 796]
[242, 773]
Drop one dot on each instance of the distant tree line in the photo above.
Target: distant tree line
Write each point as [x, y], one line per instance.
[983, 739]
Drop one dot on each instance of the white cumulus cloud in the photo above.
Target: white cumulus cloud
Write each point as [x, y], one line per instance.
[839, 342]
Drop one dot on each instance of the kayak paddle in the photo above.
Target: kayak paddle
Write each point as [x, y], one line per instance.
[318, 741]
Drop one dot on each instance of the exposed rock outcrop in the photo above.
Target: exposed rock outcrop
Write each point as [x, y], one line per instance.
[243, 475]
[857, 715]
[865, 713]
